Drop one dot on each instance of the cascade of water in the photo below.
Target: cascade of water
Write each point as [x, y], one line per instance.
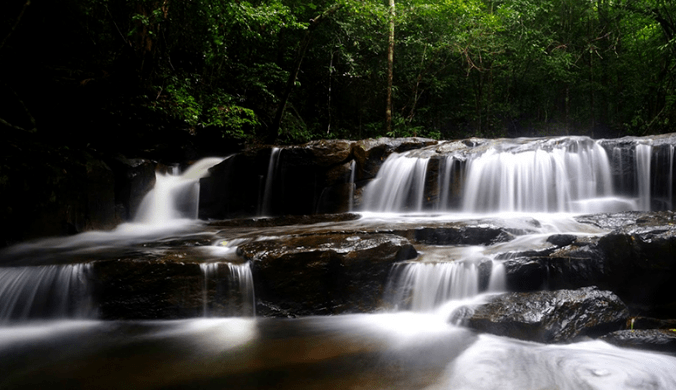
[618, 163]
[573, 178]
[53, 291]
[444, 274]
[351, 195]
[445, 182]
[266, 208]
[239, 298]
[670, 179]
[174, 196]
[643, 156]
[428, 285]
[399, 185]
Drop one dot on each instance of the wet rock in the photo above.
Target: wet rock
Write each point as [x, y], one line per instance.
[286, 220]
[660, 340]
[148, 285]
[457, 235]
[133, 179]
[134, 289]
[550, 316]
[561, 239]
[234, 187]
[370, 154]
[328, 153]
[629, 220]
[640, 266]
[538, 272]
[323, 274]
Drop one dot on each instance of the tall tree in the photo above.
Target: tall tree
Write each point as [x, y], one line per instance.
[390, 69]
[273, 132]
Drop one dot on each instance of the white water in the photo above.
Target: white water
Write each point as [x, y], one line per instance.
[265, 208]
[175, 197]
[570, 175]
[50, 291]
[238, 279]
[62, 290]
[446, 181]
[351, 183]
[399, 185]
[557, 180]
[383, 351]
[643, 155]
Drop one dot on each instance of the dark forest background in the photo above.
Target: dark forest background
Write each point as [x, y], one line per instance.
[111, 73]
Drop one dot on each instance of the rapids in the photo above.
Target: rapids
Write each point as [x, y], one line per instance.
[51, 333]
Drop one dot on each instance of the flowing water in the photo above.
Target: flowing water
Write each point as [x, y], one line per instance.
[51, 334]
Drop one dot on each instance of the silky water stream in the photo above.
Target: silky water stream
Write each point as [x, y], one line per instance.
[51, 333]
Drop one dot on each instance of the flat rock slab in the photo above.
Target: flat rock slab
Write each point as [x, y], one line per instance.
[323, 274]
[661, 340]
[550, 316]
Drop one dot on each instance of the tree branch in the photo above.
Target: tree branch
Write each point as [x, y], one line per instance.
[16, 24]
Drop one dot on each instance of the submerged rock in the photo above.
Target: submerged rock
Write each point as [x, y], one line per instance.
[323, 274]
[661, 340]
[550, 316]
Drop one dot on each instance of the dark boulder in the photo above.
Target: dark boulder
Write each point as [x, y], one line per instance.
[136, 289]
[641, 267]
[171, 285]
[458, 234]
[323, 274]
[325, 153]
[133, 179]
[550, 316]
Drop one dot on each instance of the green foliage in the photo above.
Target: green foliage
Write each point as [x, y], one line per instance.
[462, 67]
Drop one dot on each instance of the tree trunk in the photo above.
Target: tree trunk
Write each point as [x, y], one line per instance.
[390, 71]
[273, 132]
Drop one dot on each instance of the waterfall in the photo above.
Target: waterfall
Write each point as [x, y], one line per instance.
[560, 175]
[399, 185]
[41, 292]
[175, 196]
[425, 286]
[670, 178]
[351, 194]
[643, 155]
[571, 178]
[443, 274]
[446, 182]
[227, 289]
[265, 209]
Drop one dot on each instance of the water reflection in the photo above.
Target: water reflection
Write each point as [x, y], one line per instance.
[378, 351]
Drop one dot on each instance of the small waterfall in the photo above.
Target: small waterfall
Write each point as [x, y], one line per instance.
[398, 186]
[670, 179]
[446, 181]
[572, 178]
[227, 289]
[443, 274]
[351, 194]
[427, 285]
[45, 292]
[643, 156]
[562, 175]
[265, 209]
[174, 197]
